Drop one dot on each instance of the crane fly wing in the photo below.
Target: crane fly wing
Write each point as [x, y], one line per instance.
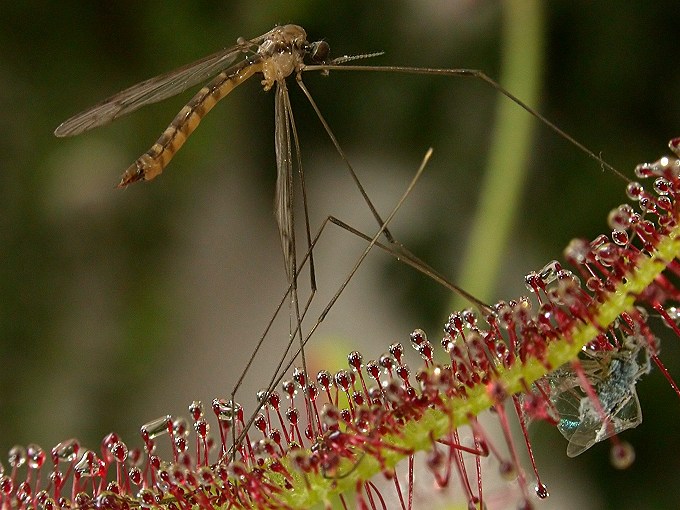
[152, 90]
[283, 208]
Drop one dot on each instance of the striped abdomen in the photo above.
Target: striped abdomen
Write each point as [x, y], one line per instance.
[153, 161]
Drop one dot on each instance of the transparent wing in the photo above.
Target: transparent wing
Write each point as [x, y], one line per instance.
[578, 426]
[568, 405]
[283, 208]
[613, 375]
[154, 90]
[592, 429]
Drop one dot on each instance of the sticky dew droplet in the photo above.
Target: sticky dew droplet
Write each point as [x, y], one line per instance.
[66, 451]
[622, 455]
[541, 491]
[155, 428]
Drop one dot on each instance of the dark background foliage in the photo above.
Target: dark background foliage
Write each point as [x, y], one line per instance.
[117, 307]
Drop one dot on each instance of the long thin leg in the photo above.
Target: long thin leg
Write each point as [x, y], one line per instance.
[298, 157]
[283, 367]
[303, 187]
[399, 250]
[480, 75]
[331, 135]
[402, 254]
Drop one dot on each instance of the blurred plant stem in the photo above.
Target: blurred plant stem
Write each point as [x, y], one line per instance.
[502, 183]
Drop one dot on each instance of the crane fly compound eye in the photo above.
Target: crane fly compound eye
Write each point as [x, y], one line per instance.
[319, 51]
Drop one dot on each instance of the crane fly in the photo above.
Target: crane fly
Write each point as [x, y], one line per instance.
[278, 53]
[275, 55]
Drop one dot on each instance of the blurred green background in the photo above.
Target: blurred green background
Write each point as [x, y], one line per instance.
[117, 307]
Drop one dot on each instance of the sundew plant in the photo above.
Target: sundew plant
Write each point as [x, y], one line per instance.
[136, 312]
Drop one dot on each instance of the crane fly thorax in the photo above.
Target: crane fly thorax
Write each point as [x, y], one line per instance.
[283, 52]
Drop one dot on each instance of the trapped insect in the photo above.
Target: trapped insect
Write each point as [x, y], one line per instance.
[613, 375]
